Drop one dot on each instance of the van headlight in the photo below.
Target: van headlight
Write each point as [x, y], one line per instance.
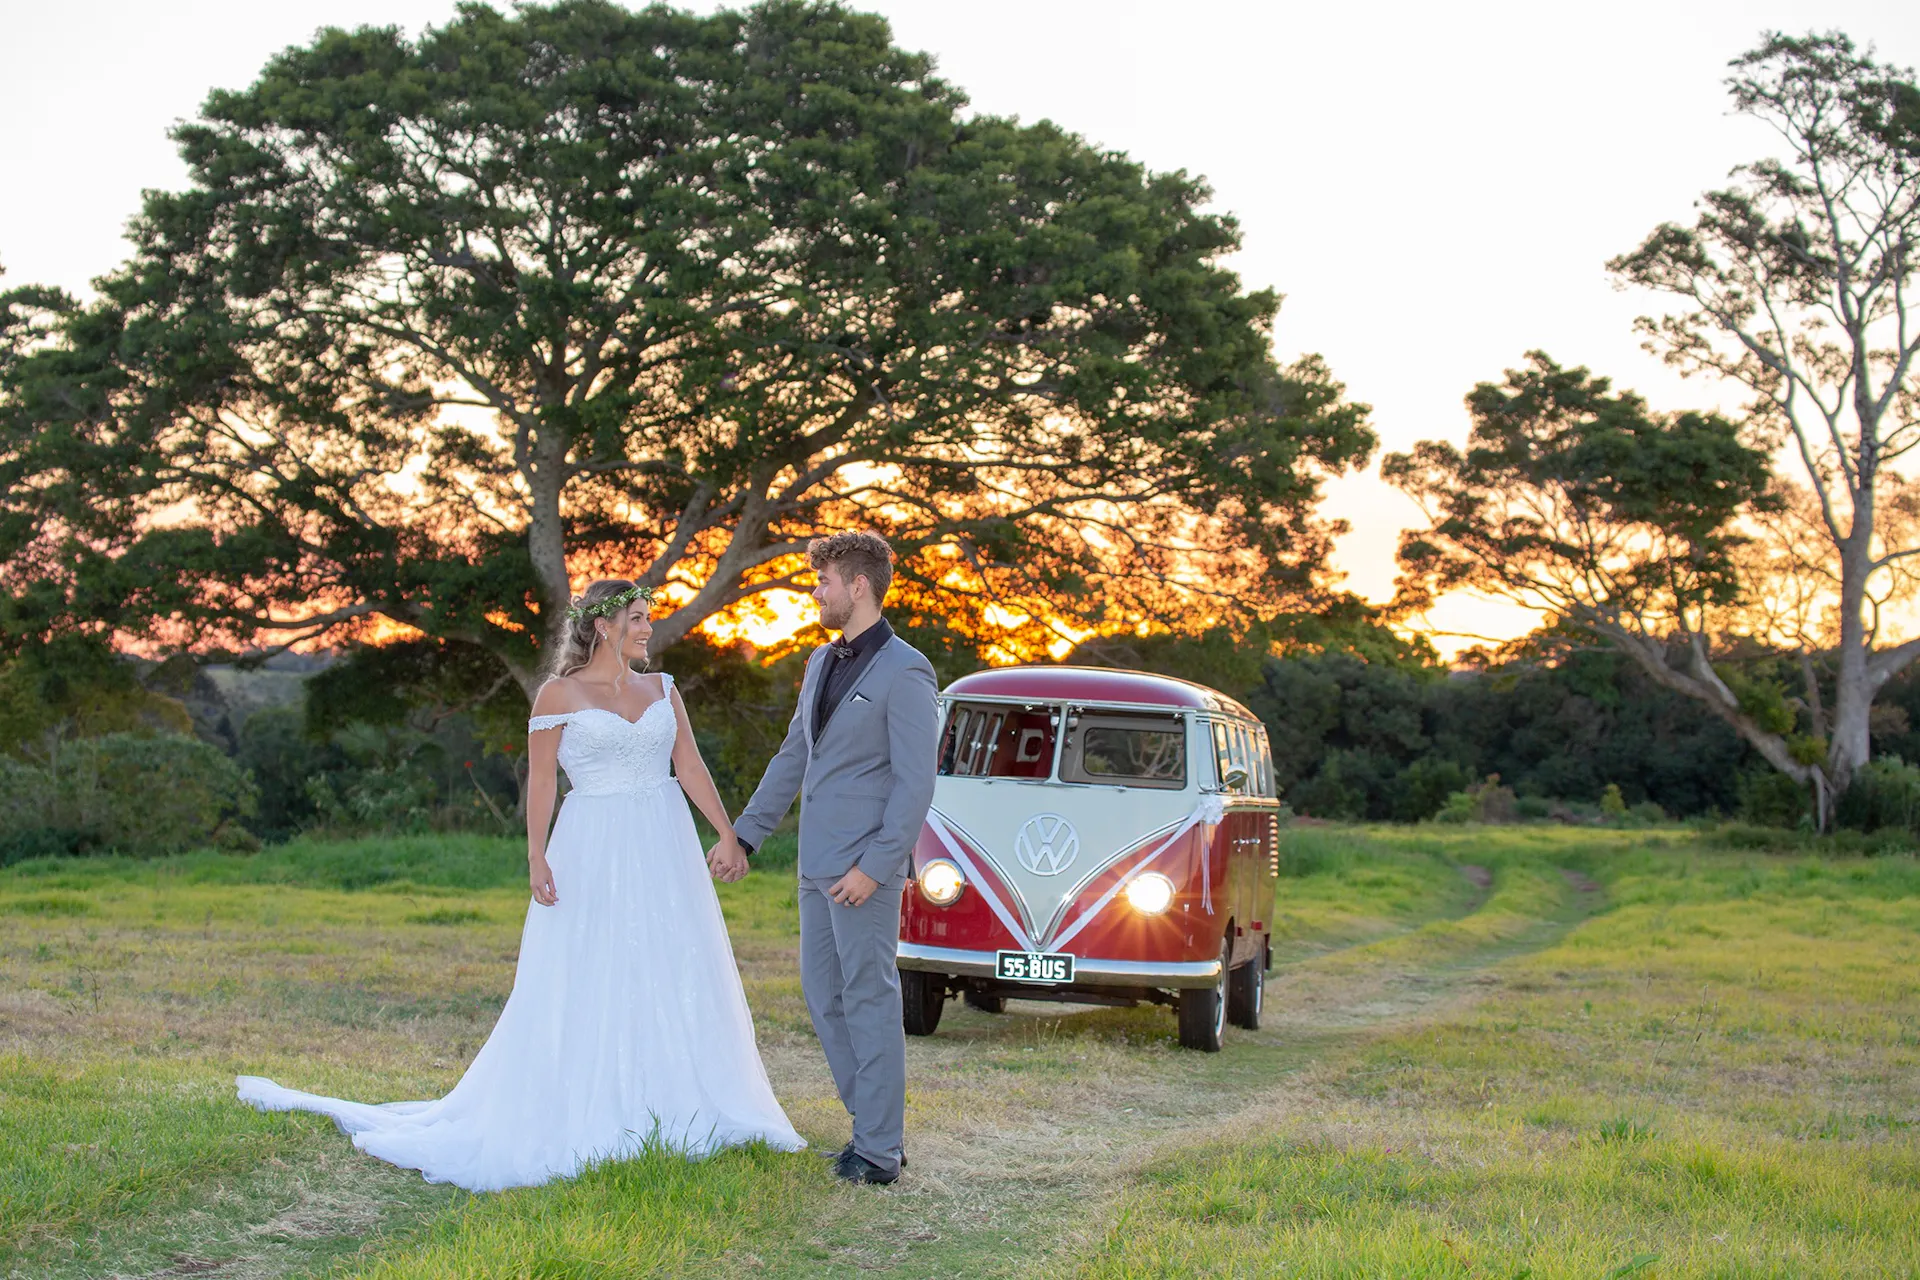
[1150, 893]
[941, 882]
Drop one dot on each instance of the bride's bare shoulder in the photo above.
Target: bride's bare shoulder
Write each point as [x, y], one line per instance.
[558, 696]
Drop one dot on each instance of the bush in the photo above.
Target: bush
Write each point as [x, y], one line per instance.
[1424, 788]
[1769, 798]
[1647, 814]
[1884, 794]
[127, 792]
[274, 747]
[1533, 808]
[1482, 802]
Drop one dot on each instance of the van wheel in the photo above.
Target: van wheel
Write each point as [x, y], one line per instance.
[1203, 1010]
[985, 1003]
[922, 997]
[1246, 991]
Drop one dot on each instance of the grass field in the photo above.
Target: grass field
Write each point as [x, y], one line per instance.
[1488, 1052]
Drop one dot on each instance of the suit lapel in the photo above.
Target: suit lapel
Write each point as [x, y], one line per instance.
[810, 691]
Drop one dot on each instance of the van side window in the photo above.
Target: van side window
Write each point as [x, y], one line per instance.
[1230, 753]
[1263, 757]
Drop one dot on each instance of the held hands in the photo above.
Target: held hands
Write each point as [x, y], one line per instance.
[853, 888]
[726, 860]
[540, 875]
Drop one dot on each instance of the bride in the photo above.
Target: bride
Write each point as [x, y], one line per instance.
[627, 1025]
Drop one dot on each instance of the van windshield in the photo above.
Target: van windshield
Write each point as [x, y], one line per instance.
[1128, 751]
[995, 740]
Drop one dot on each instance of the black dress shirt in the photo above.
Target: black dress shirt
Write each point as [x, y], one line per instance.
[846, 661]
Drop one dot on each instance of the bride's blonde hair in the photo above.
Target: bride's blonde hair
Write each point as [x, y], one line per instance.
[605, 598]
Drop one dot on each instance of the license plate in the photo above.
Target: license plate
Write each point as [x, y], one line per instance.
[1033, 966]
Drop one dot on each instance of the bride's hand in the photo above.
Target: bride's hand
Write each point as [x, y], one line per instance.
[726, 861]
[541, 877]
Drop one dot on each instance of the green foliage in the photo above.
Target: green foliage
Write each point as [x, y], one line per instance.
[1648, 814]
[1390, 741]
[1484, 801]
[123, 792]
[276, 751]
[77, 684]
[1763, 699]
[1426, 787]
[420, 682]
[1770, 798]
[1613, 805]
[1884, 794]
[1578, 495]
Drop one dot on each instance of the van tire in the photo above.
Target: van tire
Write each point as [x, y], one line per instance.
[1246, 992]
[922, 997]
[1203, 1010]
[985, 1003]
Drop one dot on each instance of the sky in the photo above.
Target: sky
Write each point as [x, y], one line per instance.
[1434, 188]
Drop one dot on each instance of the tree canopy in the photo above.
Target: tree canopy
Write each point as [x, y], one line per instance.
[1576, 499]
[441, 326]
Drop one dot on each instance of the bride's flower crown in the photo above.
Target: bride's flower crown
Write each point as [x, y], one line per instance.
[611, 605]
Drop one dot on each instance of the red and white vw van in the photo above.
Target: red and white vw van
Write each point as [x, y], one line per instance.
[1097, 837]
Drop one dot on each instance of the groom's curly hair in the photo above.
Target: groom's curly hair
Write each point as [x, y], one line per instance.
[857, 554]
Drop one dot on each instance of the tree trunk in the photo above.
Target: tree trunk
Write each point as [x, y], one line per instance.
[1850, 746]
[545, 472]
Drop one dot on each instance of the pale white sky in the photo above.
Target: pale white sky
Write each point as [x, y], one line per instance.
[1435, 188]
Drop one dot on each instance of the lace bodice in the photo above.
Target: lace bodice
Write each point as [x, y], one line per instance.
[604, 753]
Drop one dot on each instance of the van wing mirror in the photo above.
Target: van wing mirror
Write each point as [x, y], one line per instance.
[1235, 780]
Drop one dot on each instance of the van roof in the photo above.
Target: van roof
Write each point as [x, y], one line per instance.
[1049, 683]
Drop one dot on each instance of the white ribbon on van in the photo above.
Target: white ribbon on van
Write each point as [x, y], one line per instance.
[945, 835]
[1211, 809]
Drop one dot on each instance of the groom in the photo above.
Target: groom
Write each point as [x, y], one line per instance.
[860, 755]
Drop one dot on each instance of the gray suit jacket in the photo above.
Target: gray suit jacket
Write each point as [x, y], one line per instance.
[866, 784]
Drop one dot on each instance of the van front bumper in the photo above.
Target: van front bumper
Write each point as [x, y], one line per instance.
[1088, 971]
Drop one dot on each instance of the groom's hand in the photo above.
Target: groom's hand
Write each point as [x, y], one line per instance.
[853, 888]
[726, 861]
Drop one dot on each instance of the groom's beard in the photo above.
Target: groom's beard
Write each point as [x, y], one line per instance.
[835, 617]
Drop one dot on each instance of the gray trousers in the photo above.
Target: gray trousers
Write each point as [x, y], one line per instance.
[848, 975]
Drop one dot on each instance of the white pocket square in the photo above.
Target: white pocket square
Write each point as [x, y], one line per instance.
[860, 697]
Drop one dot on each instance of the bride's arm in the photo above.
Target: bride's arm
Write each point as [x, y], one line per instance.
[543, 748]
[691, 769]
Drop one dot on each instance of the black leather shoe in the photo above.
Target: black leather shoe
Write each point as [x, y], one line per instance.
[847, 1150]
[854, 1167]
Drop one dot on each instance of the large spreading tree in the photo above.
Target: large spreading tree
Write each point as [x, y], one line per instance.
[1663, 535]
[442, 326]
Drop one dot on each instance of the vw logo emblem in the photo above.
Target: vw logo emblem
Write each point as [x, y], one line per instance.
[1047, 844]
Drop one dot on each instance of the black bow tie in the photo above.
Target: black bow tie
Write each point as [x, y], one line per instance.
[842, 647]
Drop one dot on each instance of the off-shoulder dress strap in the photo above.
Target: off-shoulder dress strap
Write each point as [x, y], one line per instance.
[538, 723]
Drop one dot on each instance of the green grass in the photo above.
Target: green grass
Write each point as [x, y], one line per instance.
[1719, 1075]
[421, 862]
[1489, 1052]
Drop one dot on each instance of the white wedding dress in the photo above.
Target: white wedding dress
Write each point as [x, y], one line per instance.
[627, 1025]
